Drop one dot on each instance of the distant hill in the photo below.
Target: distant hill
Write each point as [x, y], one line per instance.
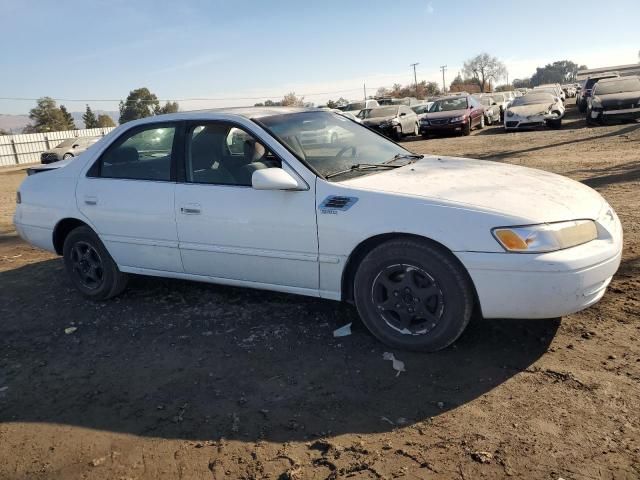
[15, 123]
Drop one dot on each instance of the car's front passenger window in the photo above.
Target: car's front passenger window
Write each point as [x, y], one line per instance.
[222, 154]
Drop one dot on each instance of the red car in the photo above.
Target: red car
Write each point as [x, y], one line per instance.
[453, 113]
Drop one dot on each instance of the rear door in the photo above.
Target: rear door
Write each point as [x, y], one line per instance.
[128, 197]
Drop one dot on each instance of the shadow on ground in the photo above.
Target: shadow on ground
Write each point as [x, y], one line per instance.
[177, 359]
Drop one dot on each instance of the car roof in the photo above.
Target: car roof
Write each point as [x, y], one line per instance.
[617, 79]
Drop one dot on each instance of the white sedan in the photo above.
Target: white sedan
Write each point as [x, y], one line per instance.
[417, 243]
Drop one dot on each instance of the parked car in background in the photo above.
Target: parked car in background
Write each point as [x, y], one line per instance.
[614, 99]
[355, 107]
[552, 88]
[491, 109]
[417, 244]
[395, 121]
[583, 99]
[501, 100]
[535, 109]
[69, 148]
[453, 113]
[569, 90]
[421, 109]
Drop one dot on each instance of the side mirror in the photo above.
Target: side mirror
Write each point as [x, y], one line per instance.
[273, 179]
[493, 103]
[403, 114]
[75, 145]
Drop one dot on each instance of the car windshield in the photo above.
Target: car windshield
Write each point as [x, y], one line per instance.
[67, 143]
[354, 106]
[330, 143]
[486, 101]
[533, 99]
[448, 104]
[549, 90]
[618, 86]
[420, 109]
[592, 81]
[381, 112]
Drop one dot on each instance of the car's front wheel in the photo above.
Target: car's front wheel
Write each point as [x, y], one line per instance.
[413, 295]
[67, 155]
[91, 268]
[466, 129]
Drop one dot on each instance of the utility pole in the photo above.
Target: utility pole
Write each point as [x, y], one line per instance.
[364, 85]
[444, 85]
[415, 77]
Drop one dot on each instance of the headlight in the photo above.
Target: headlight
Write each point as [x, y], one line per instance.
[457, 119]
[596, 103]
[490, 112]
[546, 237]
[395, 121]
[509, 113]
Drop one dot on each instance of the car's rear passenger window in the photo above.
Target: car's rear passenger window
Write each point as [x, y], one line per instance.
[145, 154]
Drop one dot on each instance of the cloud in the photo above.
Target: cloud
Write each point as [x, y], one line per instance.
[430, 8]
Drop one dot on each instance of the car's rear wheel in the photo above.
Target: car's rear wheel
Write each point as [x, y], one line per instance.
[481, 125]
[413, 295]
[91, 268]
[67, 155]
[489, 121]
[466, 130]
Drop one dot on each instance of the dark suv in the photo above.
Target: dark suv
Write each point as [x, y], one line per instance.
[582, 99]
[453, 113]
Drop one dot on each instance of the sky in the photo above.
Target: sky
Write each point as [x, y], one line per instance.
[214, 53]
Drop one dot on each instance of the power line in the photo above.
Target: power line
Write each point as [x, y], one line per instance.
[190, 99]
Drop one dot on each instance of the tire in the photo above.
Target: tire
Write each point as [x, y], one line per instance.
[439, 288]
[397, 133]
[489, 121]
[582, 106]
[555, 124]
[481, 124]
[67, 155]
[90, 267]
[466, 130]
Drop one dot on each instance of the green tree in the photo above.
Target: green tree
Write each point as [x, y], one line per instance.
[46, 117]
[563, 71]
[522, 83]
[169, 107]
[69, 124]
[484, 68]
[140, 103]
[104, 121]
[89, 118]
[4, 132]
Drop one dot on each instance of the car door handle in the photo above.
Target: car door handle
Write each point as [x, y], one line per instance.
[190, 209]
[90, 200]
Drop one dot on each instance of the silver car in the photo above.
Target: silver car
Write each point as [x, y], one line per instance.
[71, 147]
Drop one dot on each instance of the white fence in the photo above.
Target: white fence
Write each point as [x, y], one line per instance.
[26, 148]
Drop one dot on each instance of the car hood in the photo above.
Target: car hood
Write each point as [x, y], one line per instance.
[614, 99]
[526, 194]
[529, 110]
[447, 114]
[377, 120]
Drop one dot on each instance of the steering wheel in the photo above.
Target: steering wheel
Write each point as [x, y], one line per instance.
[343, 150]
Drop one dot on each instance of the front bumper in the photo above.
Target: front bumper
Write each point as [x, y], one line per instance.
[532, 121]
[441, 127]
[545, 285]
[623, 114]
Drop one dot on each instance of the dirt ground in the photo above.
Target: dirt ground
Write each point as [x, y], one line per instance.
[183, 380]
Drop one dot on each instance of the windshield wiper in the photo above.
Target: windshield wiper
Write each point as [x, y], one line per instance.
[362, 167]
[412, 156]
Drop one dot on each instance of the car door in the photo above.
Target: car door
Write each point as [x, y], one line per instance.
[128, 197]
[405, 119]
[230, 231]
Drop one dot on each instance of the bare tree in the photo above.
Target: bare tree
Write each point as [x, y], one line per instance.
[484, 68]
[291, 100]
